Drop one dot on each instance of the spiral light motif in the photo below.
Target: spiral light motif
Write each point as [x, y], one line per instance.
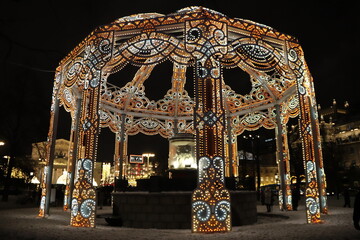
[222, 210]
[202, 210]
[105, 46]
[312, 205]
[204, 162]
[87, 164]
[310, 166]
[292, 56]
[87, 207]
[218, 162]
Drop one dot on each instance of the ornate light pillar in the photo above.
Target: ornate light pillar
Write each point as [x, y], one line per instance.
[318, 154]
[120, 151]
[206, 40]
[83, 203]
[117, 158]
[228, 150]
[50, 148]
[231, 150]
[72, 155]
[308, 132]
[235, 157]
[96, 53]
[311, 191]
[283, 157]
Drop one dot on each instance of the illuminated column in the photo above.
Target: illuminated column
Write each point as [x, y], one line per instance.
[235, 156]
[318, 156]
[50, 148]
[117, 159]
[83, 203]
[206, 40]
[233, 170]
[228, 150]
[96, 53]
[310, 145]
[120, 151]
[282, 156]
[72, 156]
[311, 192]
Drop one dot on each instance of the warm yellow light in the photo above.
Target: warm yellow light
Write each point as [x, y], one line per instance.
[148, 155]
[2, 143]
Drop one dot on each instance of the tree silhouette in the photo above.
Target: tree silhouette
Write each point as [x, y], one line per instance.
[20, 123]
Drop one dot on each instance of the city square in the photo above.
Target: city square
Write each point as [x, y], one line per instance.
[19, 223]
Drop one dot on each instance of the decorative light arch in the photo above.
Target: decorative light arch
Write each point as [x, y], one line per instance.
[207, 41]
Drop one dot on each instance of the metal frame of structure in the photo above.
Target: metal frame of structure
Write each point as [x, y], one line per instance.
[207, 41]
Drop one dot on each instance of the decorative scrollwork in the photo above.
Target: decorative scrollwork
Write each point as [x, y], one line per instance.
[202, 210]
[312, 205]
[150, 126]
[87, 69]
[253, 121]
[222, 210]
[151, 48]
[87, 208]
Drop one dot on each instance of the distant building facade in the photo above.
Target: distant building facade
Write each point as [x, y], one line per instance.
[103, 171]
[260, 151]
[60, 162]
[340, 132]
[340, 135]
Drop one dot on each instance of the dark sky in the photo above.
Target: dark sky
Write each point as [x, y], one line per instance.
[36, 35]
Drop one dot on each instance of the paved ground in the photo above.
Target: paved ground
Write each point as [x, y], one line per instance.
[20, 222]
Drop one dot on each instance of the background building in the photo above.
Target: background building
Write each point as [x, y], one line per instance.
[103, 171]
[60, 162]
[340, 136]
[257, 156]
[340, 129]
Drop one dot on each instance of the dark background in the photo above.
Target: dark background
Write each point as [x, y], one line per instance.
[36, 35]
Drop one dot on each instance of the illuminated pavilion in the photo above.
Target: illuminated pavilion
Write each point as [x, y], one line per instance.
[206, 41]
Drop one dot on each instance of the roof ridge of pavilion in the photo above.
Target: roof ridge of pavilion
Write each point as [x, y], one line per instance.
[117, 25]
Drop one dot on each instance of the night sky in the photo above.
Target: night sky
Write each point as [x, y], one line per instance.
[36, 35]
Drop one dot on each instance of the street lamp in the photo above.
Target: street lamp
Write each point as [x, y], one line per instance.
[148, 155]
[2, 143]
[7, 164]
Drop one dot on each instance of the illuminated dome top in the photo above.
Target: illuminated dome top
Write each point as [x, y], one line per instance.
[270, 58]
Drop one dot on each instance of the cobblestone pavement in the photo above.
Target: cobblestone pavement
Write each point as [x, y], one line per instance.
[20, 222]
